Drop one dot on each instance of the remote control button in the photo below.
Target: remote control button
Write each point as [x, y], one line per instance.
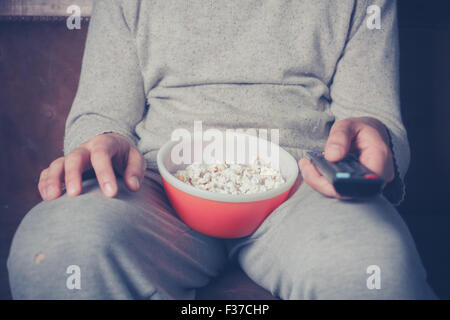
[370, 176]
[342, 175]
[318, 154]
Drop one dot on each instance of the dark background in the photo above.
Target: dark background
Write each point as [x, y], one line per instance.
[39, 71]
[425, 96]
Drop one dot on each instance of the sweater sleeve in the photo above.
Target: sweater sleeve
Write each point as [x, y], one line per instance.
[110, 95]
[366, 82]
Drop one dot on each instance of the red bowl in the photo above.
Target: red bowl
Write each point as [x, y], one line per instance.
[223, 215]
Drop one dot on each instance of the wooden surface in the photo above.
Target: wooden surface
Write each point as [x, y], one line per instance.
[42, 7]
[38, 81]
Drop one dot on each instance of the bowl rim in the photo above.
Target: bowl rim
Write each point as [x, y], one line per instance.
[223, 197]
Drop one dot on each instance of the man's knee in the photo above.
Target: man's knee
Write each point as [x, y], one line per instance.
[57, 234]
[333, 249]
[82, 220]
[366, 253]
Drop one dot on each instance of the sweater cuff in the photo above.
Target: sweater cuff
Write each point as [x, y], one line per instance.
[85, 128]
[394, 191]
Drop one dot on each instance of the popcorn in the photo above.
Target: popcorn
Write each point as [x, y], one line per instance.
[232, 178]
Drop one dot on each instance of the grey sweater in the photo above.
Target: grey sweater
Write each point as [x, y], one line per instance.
[151, 66]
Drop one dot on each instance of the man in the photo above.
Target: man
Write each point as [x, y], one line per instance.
[312, 69]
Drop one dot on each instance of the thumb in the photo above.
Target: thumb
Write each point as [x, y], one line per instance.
[340, 140]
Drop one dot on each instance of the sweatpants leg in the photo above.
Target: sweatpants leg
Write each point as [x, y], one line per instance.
[128, 247]
[313, 247]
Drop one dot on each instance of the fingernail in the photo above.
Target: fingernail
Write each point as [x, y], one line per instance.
[70, 189]
[108, 189]
[51, 192]
[135, 182]
[334, 151]
[300, 162]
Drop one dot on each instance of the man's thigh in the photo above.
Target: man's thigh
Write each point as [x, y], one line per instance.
[130, 246]
[318, 247]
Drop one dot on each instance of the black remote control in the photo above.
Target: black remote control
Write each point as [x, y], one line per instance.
[349, 177]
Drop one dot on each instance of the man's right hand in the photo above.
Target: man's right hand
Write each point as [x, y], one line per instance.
[104, 153]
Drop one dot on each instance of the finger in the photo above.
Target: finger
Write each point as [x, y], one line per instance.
[75, 164]
[318, 182]
[339, 140]
[43, 183]
[375, 154]
[101, 162]
[134, 171]
[379, 160]
[54, 178]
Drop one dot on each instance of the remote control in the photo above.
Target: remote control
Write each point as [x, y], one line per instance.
[349, 177]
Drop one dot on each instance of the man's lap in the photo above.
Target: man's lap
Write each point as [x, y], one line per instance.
[308, 238]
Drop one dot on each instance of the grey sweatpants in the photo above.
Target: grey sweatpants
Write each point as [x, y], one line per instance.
[134, 247]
